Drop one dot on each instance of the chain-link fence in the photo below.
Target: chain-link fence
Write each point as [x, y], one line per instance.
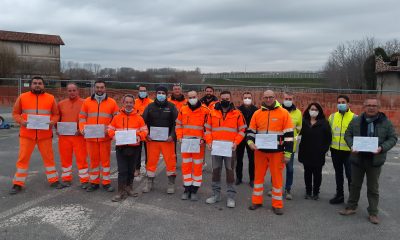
[390, 100]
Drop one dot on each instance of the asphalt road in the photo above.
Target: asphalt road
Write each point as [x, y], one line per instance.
[40, 212]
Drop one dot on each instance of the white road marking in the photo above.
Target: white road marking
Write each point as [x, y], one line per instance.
[71, 220]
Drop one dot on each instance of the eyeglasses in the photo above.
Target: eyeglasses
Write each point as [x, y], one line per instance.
[371, 106]
[269, 97]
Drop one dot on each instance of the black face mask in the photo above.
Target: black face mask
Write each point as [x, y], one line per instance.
[225, 103]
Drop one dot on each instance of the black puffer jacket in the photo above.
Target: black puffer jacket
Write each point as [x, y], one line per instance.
[161, 114]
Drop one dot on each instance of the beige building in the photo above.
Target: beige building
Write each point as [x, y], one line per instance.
[38, 54]
[388, 73]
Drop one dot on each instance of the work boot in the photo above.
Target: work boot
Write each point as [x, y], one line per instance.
[315, 197]
[121, 195]
[129, 190]
[230, 202]
[278, 211]
[288, 195]
[85, 185]
[108, 188]
[307, 196]
[171, 184]
[149, 185]
[92, 187]
[255, 206]
[185, 195]
[15, 189]
[193, 193]
[64, 185]
[337, 199]
[216, 197]
[56, 185]
[373, 219]
[347, 211]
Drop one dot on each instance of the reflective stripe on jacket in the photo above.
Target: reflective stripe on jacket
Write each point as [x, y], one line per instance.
[190, 124]
[339, 123]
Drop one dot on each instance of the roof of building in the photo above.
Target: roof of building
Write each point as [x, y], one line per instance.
[30, 37]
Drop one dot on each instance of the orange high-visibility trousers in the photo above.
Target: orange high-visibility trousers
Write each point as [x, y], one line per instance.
[192, 168]
[261, 163]
[99, 153]
[67, 145]
[26, 147]
[153, 155]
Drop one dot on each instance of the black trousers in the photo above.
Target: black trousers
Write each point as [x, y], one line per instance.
[340, 160]
[239, 158]
[138, 164]
[312, 179]
[127, 158]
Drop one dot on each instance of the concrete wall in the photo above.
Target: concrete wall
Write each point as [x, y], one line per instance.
[388, 81]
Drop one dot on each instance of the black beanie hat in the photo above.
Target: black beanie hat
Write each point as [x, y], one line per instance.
[161, 88]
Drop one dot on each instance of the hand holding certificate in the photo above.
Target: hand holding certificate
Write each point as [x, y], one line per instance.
[38, 122]
[267, 141]
[190, 145]
[365, 144]
[222, 148]
[67, 128]
[125, 137]
[159, 133]
[94, 131]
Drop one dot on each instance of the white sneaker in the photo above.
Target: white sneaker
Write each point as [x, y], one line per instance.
[143, 170]
[213, 199]
[138, 178]
[230, 203]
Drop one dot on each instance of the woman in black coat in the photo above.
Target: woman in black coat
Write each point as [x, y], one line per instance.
[316, 137]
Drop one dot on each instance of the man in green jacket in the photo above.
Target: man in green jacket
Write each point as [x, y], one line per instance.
[371, 123]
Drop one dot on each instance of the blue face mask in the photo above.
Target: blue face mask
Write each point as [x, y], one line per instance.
[161, 97]
[342, 107]
[142, 94]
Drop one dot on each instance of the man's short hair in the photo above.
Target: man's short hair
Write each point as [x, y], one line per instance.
[100, 81]
[372, 98]
[225, 92]
[35, 78]
[209, 87]
[72, 83]
[290, 93]
[128, 95]
[141, 85]
[247, 93]
[343, 96]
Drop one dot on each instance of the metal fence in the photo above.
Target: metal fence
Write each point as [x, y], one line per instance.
[10, 89]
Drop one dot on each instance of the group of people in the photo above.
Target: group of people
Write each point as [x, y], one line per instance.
[166, 123]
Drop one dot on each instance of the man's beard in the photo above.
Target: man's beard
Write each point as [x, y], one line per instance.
[209, 95]
[37, 91]
[99, 93]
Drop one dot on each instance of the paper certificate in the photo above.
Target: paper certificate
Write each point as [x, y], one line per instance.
[365, 144]
[267, 141]
[94, 131]
[190, 145]
[38, 122]
[159, 133]
[125, 137]
[221, 148]
[67, 128]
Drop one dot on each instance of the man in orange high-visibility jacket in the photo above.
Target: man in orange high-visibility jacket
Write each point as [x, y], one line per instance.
[127, 154]
[98, 109]
[270, 119]
[190, 125]
[74, 144]
[177, 98]
[225, 123]
[141, 103]
[209, 100]
[29, 104]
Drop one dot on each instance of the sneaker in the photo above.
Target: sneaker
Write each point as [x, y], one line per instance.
[108, 188]
[213, 199]
[230, 203]
[315, 197]
[337, 199]
[373, 219]
[194, 197]
[92, 187]
[143, 171]
[255, 206]
[15, 189]
[307, 196]
[185, 196]
[269, 193]
[138, 178]
[278, 211]
[347, 212]
[288, 195]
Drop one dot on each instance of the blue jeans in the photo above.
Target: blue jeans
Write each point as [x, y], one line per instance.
[289, 173]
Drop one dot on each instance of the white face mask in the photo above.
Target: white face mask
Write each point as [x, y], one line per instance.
[193, 101]
[287, 103]
[247, 101]
[313, 113]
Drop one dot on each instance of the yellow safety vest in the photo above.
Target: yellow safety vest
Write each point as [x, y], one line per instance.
[297, 120]
[339, 123]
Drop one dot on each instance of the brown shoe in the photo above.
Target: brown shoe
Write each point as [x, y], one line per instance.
[347, 211]
[373, 219]
[278, 211]
[130, 192]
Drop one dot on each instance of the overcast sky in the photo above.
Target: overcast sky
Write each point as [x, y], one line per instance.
[214, 35]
